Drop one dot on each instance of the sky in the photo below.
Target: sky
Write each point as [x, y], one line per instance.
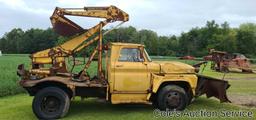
[166, 17]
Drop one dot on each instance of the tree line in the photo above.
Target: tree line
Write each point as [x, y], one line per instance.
[196, 42]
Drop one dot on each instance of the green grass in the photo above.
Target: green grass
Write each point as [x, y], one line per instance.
[246, 87]
[18, 107]
[8, 77]
[233, 74]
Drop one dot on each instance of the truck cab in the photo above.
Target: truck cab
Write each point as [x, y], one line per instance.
[134, 78]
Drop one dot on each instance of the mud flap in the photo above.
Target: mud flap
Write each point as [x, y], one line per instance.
[212, 87]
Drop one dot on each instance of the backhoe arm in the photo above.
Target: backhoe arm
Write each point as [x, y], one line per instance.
[66, 27]
[111, 13]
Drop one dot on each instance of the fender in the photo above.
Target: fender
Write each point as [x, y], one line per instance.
[31, 83]
[33, 86]
[158, 80]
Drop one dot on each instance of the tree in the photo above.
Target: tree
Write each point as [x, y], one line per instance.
[246, 38]
[10, 43]
[195, 42]
[37, 40]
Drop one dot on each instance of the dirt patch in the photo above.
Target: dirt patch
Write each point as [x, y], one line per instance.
[244, 100]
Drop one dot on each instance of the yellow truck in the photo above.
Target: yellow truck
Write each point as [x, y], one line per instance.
[129, 75]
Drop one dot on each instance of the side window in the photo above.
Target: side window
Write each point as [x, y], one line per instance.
[130, 55]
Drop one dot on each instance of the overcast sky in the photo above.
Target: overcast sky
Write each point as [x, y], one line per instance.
[166, 17]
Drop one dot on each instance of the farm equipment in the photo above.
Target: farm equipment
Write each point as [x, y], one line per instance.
[223, 61]
[188, 57]
[129, 75]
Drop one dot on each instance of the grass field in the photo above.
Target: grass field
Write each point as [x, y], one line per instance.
[242, 93]
[8, 77]
[19, 107]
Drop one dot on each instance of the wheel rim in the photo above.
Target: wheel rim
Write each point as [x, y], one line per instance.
[173, 100]
[50, 105]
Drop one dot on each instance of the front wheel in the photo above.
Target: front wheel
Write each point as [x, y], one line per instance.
[51, 103]
[172, 97]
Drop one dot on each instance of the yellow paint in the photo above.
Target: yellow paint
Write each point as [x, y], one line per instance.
[175, 67]
[132, 82]
[46, 60]
[128, 98]
[148, 96]
[191, 79]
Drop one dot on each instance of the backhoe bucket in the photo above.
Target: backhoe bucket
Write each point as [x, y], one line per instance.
[212, 87]
[64, 26]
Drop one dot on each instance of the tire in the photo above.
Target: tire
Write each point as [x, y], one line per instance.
[172, 97]
[190, 97]
[51, 103]
[154, 102]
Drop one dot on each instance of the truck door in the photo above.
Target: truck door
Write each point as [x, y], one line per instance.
[131, 74]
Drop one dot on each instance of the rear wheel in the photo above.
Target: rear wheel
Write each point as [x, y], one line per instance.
[51, 103]
[172, 97]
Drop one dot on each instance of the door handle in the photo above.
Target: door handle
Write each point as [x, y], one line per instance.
[119, 65]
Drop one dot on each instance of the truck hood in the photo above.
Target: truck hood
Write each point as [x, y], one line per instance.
[174, 67]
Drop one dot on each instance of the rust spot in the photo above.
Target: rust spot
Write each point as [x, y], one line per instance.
[65, 27]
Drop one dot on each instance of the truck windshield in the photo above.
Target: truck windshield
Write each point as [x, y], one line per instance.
[147, 56]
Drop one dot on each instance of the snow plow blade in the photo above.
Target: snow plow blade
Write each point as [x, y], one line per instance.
[212, 87]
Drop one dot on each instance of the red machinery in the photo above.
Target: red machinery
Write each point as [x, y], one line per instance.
[223, 61]
[188, 57]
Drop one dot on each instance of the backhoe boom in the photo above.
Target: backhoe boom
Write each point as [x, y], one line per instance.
[64, 26]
